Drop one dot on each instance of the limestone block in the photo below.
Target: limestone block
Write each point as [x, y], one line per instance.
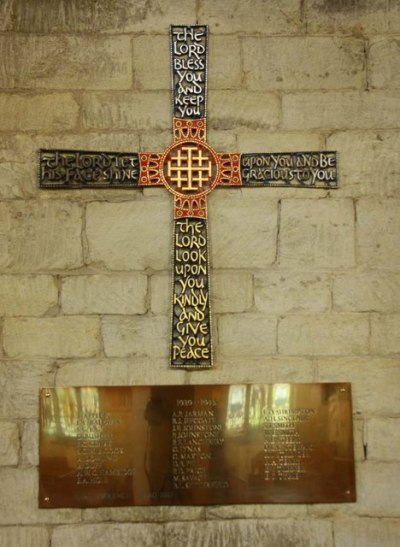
[252, 16]
[222, 141]
[65, 62]
[19, 388]
[367, 291]
[367, 17]
[383, 439]
[366, 532]
[243, 227]
[152, 62]
[246, 335]
[9, 443]
[73, 16]
[341, 110]
[18, 500]
[317, 234]
[383, 62]
[40, 235]
[249, 369]
[233, 109]
[135, 111]
[45, 112]
[283, 292]
[368, 162]
[278, 141]
[24, 536]
[27, 295]
[103, 535]
[109, 294]
[30, 444]
[17, 180]
[247, 533]
[54, 337]
[231, 292]
[144, 514]
[374, 381]
[161, 293]
[267, 511]
[116, 141]
[324, 334]
[132, 235]
[118, 371]
[135, 336]
[385, 331]
[303, 63]
[375, 493]
[378, 225]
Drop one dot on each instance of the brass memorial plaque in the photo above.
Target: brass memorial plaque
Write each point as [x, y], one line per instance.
[196, 445]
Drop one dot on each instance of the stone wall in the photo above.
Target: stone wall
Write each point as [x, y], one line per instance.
[306, 284]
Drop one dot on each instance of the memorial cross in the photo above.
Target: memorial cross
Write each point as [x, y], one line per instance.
[189, 169]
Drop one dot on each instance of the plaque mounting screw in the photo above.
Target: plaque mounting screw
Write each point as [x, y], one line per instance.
[46, 498]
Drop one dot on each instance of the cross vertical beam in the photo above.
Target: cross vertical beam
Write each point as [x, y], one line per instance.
[189, 169]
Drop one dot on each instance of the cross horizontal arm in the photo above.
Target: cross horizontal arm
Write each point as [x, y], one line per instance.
[71, 169]
[292, 169]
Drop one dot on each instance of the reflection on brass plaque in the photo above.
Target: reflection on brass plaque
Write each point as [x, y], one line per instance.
[196, 445]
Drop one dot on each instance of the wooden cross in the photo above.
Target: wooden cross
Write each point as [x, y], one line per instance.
[189, 169]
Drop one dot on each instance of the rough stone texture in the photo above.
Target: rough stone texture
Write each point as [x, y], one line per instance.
[140, 514]
[18, 500]
[358, 18]
[19, 387]
[234, 369]
[252, 16]
[247, 333]
[116, 232]
[118, 371]
[54, 337]
[303, 63]
[45, 112]
[385, 331]
[40, 235]
[341, 110]
[123, 294]
[367, 532]
[242, 229]
[9, 443]
[102, 535]
[278, 141]
[283, 292]
[382, 219]
[65, 62]
[368, 162]
[383, 439]
[317, 234]
[135, 111]
[339, 334]
[372, 291]
[27, 295]
[246, 533]
[233, 109]
[92, 16]
[384, 67]
[27, 536]
[135, 336]
[30, 444]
